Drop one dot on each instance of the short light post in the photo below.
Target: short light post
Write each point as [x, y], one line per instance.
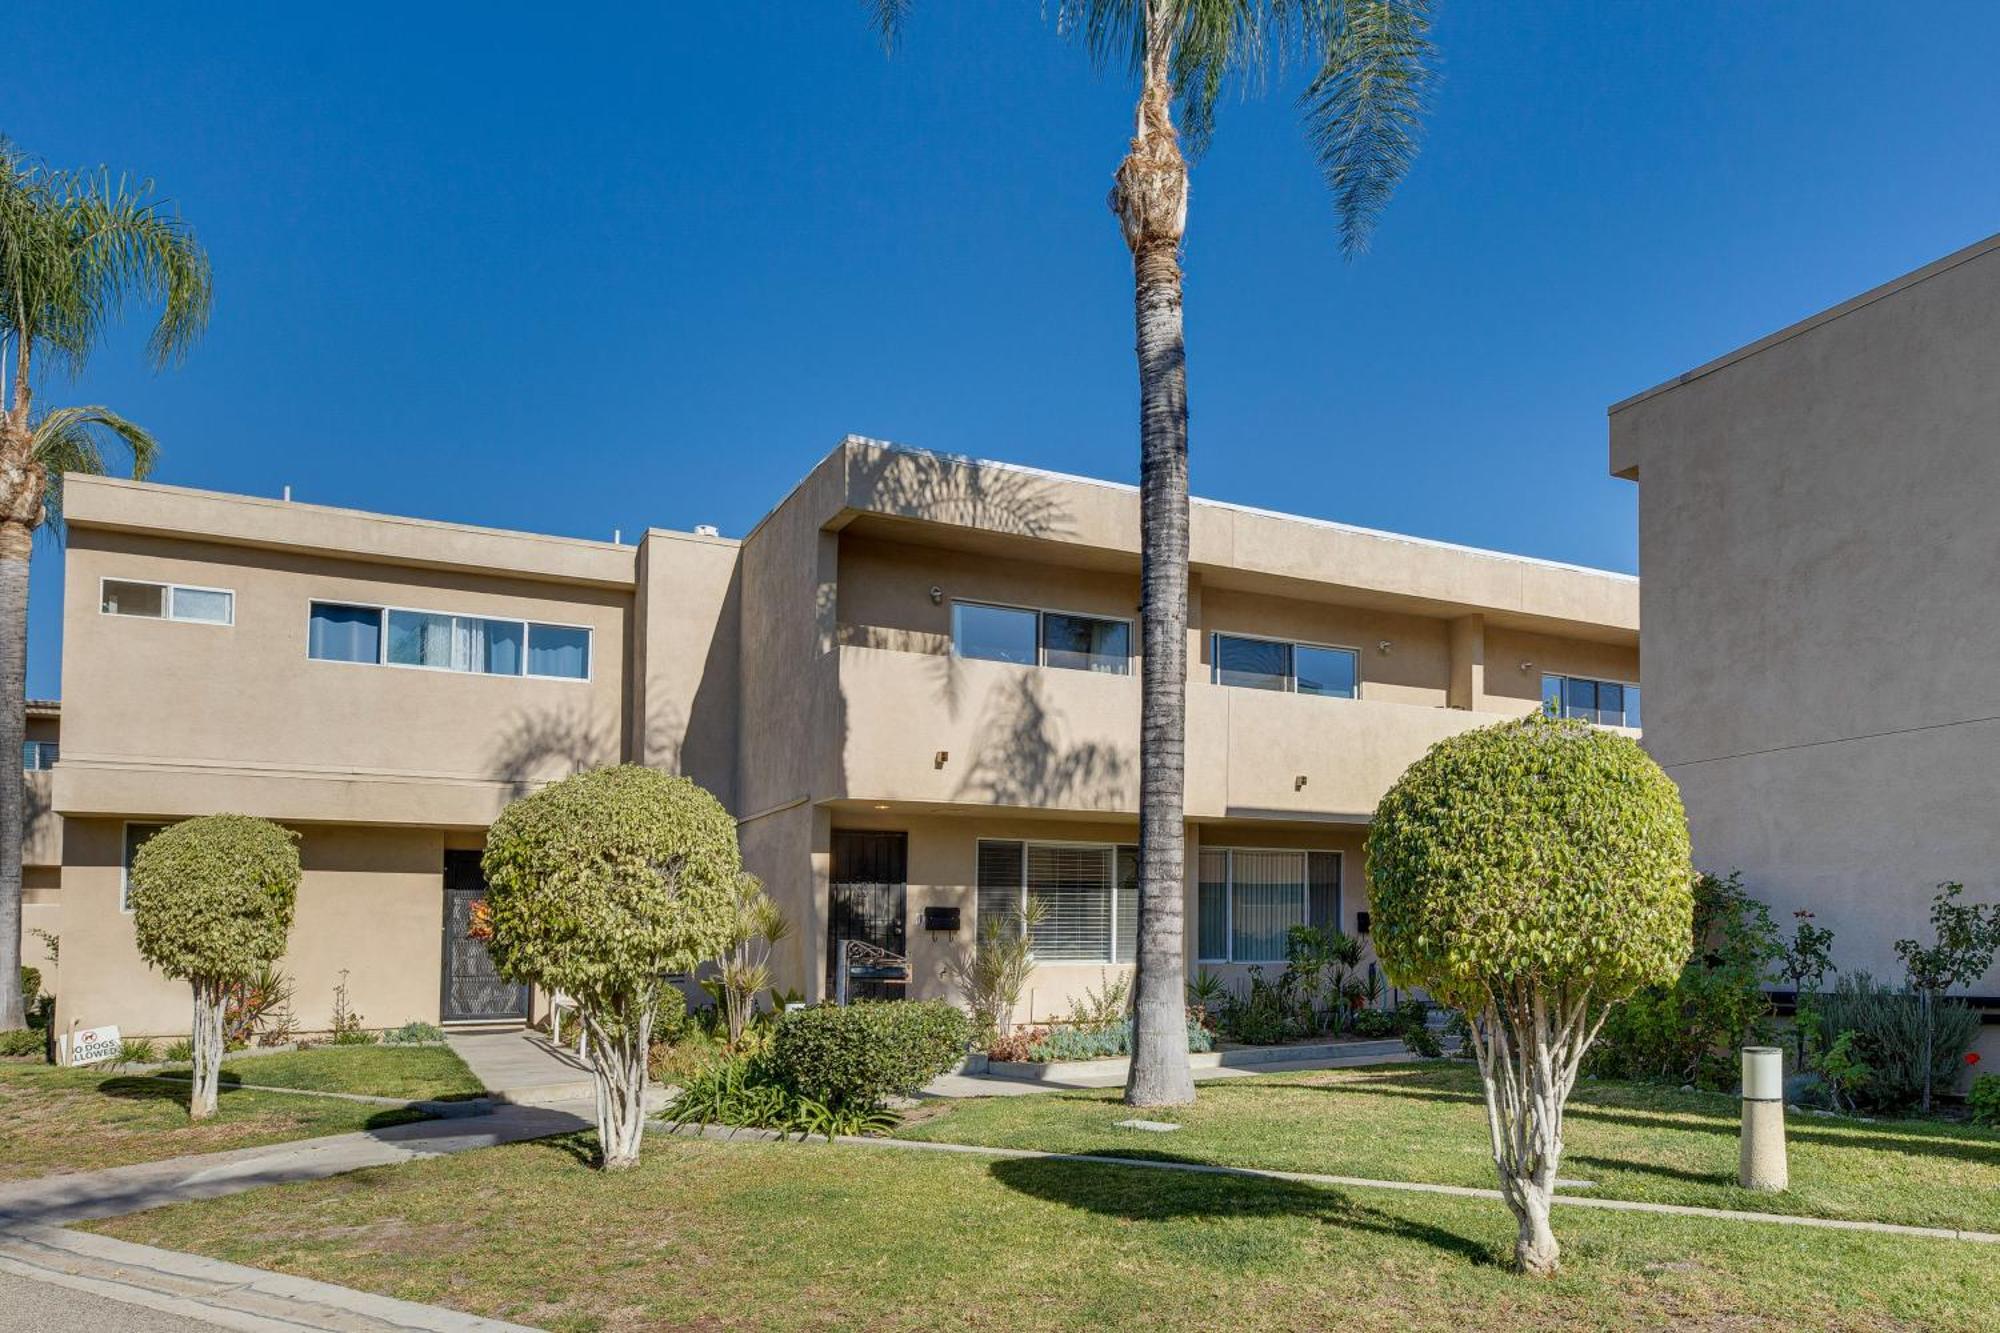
[1762, 1164]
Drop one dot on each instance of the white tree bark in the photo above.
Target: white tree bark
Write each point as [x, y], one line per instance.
[618, 1037]
[210, 1002]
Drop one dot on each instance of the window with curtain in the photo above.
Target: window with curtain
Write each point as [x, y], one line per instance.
[562, 651]
[1088, 892]
[337, 633]
[441, 641]
[1249, 899]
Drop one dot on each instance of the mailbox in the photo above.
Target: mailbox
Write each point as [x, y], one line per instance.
[942, 919]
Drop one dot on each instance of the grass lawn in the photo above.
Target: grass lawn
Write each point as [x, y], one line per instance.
[1427, 1122]
[760, 1235]
[60, 1120]
[415, 1073]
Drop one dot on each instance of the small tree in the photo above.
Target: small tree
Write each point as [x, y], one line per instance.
[1531, 874]
[599, 886]
[743, 968]
[212, 902]
[1968, 935]
[993, 972]
[1806, 961]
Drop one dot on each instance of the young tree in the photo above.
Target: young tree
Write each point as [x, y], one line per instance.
[1968, 935]
[1369, 68]
[599, 886]
[743, 968]
[1531, 874]
[993, 972]
[212, 903]
[73, 248]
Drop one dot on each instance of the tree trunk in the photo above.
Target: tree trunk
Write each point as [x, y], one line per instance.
[1150, 199]
[618, 1051]
[1535, 1250]
[210, 1001]
[16, 544]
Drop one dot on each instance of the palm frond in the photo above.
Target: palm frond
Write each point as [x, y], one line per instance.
[72, 439]
[889, 17]
[1363, 111]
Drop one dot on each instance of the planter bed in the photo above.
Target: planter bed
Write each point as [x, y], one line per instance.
[1227, 1057]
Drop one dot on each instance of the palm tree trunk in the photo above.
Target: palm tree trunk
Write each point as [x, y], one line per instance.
[16, 542]
[1151, 201]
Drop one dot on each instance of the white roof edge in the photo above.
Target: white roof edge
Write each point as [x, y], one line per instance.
[1810, 322]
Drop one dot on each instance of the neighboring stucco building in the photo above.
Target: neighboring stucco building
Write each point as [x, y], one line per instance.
[914, 683]
[41, 841]
[1822, 605]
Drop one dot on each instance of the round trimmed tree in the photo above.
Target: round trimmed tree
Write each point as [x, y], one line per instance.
[212, 902]
[1532, 875]
[598, 886]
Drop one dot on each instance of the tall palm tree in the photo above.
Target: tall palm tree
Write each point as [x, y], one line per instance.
[74, 247]
[1370, 63]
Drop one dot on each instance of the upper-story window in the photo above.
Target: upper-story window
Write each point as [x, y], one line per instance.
[167, 601]
[1610, 702]
[1275, 664]
[441, 641]
[1041, 638]
[38, 755]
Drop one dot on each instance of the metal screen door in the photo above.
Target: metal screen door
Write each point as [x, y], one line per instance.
[472, 989]
[869, 891]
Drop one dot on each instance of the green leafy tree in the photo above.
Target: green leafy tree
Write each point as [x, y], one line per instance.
[212, 902]
[1968, 935]
[74, 247]
[1531, 875]
[1807, 958]
[599, 886]
[1367, 67]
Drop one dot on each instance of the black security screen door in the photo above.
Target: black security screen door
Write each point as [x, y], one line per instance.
[472, 989]
[869, 890]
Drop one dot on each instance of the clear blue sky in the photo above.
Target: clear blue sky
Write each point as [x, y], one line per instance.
[542, 268]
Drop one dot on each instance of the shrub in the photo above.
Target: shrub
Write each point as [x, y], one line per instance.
[992, 974]
[1967, 936]
[212, 901]
[670, 1020]
[413, 1033]
[1374, 1024]
[743, 1093]
[1413, 1024]
[1888, 1028]
[24, 1042]
[1071, 1043]
[31, 986]
[137, 1051]
[1016, 1045]
[1530, 874]
[1984, 1100]
[180, 1051]
[259, 1007]
[1691, 1030]
[858, 1055]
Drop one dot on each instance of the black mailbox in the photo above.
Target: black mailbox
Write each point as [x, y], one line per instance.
[943, 919]
[1361, 923]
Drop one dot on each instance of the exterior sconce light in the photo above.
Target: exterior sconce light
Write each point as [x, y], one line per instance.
[937, 595]
[942, 758]
[1299, 782]
[1527, 666]
[1383, 647]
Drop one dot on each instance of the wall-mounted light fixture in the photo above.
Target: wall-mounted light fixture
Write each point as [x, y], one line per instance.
[1383, 647]
[937, 595]
[942, 758]
[1299, 782]
[1527, 666]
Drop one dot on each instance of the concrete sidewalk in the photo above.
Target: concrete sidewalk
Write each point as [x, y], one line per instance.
[524, 1067]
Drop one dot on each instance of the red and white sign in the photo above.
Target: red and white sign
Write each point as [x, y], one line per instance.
[94, 1044]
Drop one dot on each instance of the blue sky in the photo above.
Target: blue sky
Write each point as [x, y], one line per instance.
[575, 270]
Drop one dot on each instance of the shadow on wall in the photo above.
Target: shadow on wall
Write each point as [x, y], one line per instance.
[1020, 757]
[548, 745]
[951, 488]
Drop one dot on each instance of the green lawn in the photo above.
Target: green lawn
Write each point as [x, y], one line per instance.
[1427, 1123]
[415, 1073]
[757, 1235]
[60, 1120]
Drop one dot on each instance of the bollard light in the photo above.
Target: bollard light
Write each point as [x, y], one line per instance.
[1762, 1162]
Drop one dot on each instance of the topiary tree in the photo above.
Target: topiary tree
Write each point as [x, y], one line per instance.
[1531, 874]
[599, 886]
[211, 903]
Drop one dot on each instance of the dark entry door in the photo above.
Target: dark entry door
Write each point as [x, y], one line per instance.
[472, 989]
[868, 893]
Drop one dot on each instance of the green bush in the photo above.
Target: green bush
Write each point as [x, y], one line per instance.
[670, 1020]
[1374, 1024]
[31, 986]
[1087, 1043]
[413, 1033]
[1984, 1100]
[180, 1051]
[857, 1056]
[1888, 1028]
[1691, 1030]
[24, 1042]
[744, 1094]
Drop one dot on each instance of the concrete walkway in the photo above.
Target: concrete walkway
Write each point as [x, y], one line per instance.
[995, 1085]
[522, 1067]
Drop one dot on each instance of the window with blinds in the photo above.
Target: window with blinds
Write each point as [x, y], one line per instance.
[1088, 893]
[1248, 900]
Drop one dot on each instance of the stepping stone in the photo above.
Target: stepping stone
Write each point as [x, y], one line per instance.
[1150, 1126]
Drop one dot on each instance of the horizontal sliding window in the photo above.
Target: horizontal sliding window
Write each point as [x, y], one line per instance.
[337, 633]
[1028, 637]
[440, 641]
[559, 650]
[167, 601]
[1272, 664]
[1608, 702]
[1087, 895]
[1248, 901]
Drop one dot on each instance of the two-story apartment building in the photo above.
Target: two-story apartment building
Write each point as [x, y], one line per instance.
[914, 683]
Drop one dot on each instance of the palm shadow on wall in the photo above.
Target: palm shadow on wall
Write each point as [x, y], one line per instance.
[1022, 758]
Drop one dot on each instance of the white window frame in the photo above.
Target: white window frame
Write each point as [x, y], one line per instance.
[1292, 678]
[1021, 901]
[1229, 896]
[125, 870]
[167, 601]
[40, 748]
[1041, 662]
[385, 609]
[1567, 676]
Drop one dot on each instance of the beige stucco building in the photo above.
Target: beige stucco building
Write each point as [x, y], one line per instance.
[1822, 605]
[914, 683]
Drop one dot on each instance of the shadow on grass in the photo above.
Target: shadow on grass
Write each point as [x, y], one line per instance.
[147, 1088]
[1141, 1194]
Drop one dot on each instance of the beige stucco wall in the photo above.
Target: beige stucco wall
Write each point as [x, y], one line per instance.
[1817, 534]
[685, 658]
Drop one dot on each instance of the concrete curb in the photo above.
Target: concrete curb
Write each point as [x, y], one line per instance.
[214, 1291]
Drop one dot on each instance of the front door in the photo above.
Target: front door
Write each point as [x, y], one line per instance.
[867, 896]
[473, 991]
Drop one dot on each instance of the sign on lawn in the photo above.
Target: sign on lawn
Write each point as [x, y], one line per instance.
[93, 1044]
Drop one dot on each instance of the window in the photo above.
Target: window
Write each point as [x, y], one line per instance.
[1088, 893]
[1247, 900]
[135, 838]
[441, 641]
[1027, 637]
[1609, 702]
[38, 755]
[167, 601]
[1271, 664]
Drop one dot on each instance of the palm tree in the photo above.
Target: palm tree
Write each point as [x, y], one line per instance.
[1370, 62]
[73, 247]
